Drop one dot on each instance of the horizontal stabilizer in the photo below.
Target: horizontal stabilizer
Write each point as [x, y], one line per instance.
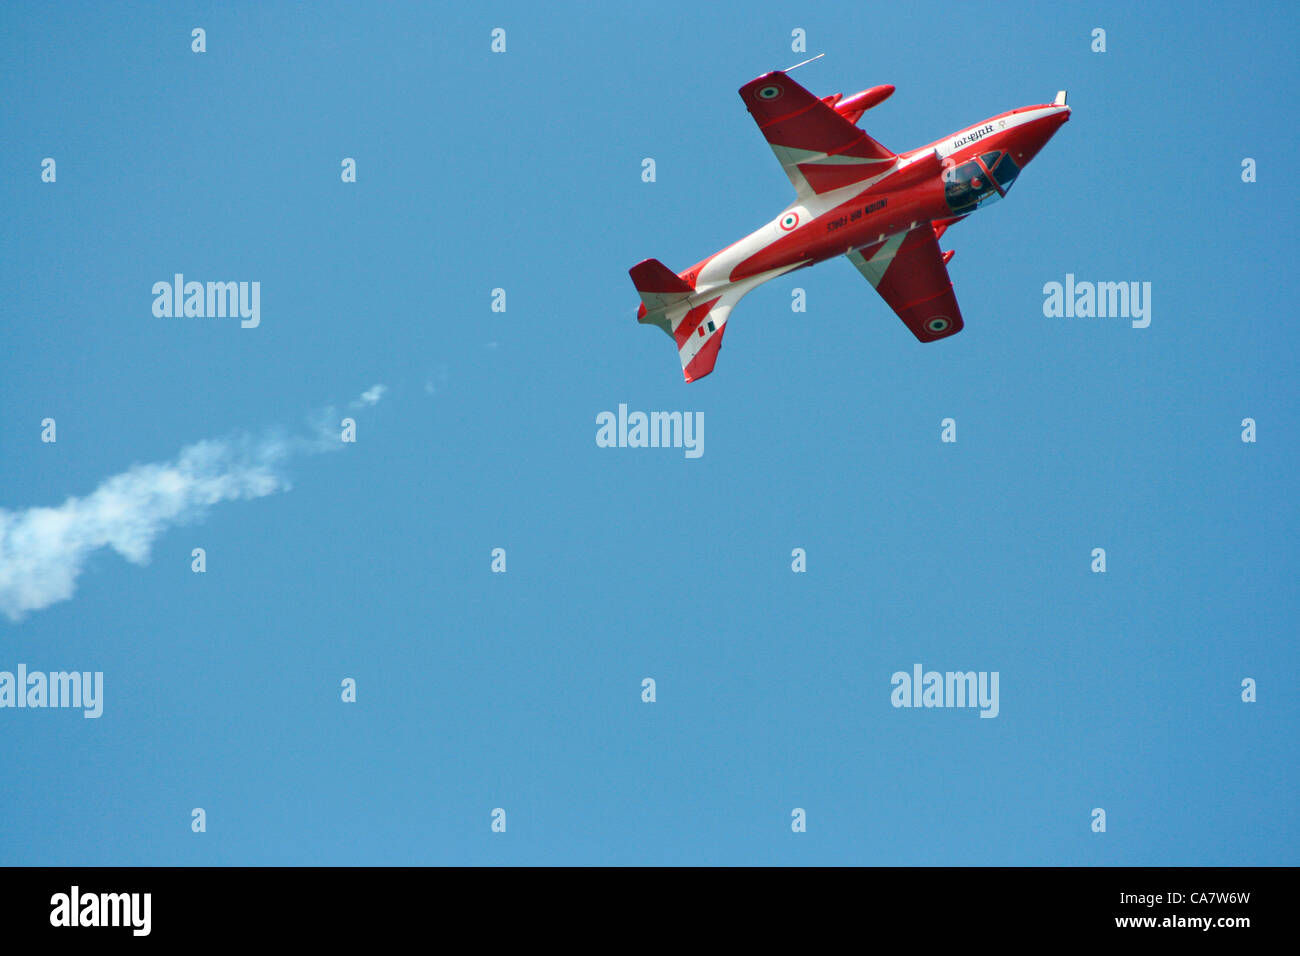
[658, 285]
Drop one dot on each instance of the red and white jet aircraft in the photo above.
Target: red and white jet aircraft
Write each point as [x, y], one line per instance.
[854, 198]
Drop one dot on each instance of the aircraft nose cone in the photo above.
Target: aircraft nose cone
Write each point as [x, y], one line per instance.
[1048, 125]
[1040, 132]
[1056, 122]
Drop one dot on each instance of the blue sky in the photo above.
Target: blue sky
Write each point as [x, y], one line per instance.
[522, 690]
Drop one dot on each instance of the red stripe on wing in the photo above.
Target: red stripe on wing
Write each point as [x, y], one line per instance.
[795, 118]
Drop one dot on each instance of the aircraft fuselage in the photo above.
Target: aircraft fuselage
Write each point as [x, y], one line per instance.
[854, 217]
[884, 211]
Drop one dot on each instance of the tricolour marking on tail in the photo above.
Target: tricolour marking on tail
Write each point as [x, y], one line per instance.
[695, 319]
[696, 326]
[699, 337]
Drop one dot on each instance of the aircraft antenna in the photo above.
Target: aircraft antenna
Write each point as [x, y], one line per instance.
[809, 60]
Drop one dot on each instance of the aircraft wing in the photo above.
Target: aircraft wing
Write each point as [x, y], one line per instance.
[818, 148]
[909, 272]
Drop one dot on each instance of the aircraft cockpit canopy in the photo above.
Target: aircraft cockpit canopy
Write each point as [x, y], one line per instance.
[982, 180]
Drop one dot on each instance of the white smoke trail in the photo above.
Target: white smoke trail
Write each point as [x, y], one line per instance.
[370, 396]
[43, 550]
